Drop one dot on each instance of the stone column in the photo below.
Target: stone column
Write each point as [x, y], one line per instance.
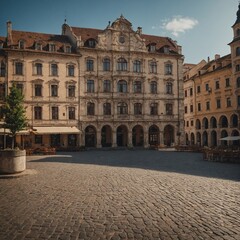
[161, 138]
[114, 138]
[99, 138]
[145, 139]
[130, 139]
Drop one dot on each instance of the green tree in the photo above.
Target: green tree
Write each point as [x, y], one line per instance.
[14, 113]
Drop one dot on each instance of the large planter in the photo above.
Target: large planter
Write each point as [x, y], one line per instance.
[12, 161]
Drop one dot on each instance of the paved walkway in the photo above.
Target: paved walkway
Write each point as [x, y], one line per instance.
[122, 195]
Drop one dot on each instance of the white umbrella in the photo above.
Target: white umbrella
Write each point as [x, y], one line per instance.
[230, 138]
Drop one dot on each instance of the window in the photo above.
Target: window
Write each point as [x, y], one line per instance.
[153, 109]
[137, 108]
[38, 113]
[191, 108]
[207, 105]
[217, 85]
[38, 90]
[2, 69]
[91, 43]
[106, 86]
[191, 91]
[227, 82]
[238, 51]
[152, 48]
[169, 109]
[122, 64]
[38, 46]
[70, 70]
[229, 104]
[185, 92]
[52, 47]
[2, 91]
[19, 86]
[238, 82]
[90, 108]
[218, 103]
[137, 66]
[71, 113]
[122, 86]
[54, 69]
[185, 109]
[106, 64]
[71, 90]
[153, 67]
[54, 90]
[187, 123]
[107, 108]
[122, 108]
[153, 87]
[168, 69]
[38, 139]
[137, 87]
[237, 68]
[90, 65]
[238, 101]
[68, 49]
[207, 87]
[191, 123]
[19, 68]
[90, 86]
[169, 88]
[21, 44]
[38, 69]
[198, 89]
[199, 107]
[55, 113]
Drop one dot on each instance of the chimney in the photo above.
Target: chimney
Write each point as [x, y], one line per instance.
[9, 32]
[217, 56]
[139, 30]
[208, 59]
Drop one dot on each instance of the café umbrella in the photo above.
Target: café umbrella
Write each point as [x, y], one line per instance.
[230, 138]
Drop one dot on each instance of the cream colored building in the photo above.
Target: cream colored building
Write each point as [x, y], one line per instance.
[212, 97]
[97, 88]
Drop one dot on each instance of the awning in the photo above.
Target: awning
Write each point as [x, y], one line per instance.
[230, 138]
[55, 130]
[7, 132]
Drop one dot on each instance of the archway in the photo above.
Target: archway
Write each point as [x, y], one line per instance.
[223, 135]
[223, 122]
[213, 139]
[106, 136]
[198, 124]
[186, 139]
[90, 136]
[213, 122]
[199, 139]
[153, 134]
[205, 123]
[192, 139]
[168, 135]
[205, 138]
[234, 121]
[122, 136]
[137, 136]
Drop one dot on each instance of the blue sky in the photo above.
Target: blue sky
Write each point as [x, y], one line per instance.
[202, 28]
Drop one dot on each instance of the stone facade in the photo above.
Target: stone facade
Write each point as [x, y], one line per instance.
[97, 88]
[212, 97]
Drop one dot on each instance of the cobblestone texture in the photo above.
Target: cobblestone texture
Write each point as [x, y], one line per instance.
[122, 195]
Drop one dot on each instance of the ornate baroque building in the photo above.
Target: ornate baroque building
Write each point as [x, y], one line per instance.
[95, 88]
[212, 97]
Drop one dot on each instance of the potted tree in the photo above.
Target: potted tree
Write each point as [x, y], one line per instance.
[13, 160]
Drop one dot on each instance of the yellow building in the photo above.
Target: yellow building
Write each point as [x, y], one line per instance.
[212, 97]
[96, 88]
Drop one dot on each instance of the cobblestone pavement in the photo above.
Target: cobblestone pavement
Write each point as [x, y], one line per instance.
[122, 195]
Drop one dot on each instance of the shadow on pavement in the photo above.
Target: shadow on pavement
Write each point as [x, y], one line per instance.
[177, 162]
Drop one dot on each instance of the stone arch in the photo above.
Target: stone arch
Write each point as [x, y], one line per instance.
[122, 136]
[168, 135]
[223, 122]
[137, 136]
[213, 122]
[198, 124]
[153, 135]
[205, 123]
[90, 136]
[205, 138]
[199, 139]
[106, 136]
[192, 137]
[213, 138]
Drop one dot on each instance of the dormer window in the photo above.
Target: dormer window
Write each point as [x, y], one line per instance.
[52, 47]
[68, 49]
[166, 49]
[38, 46]
[152, 47]
[91, 43]
[21, 44]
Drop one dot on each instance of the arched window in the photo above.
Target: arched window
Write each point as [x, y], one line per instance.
[122, 86]
[122, 64]
[153, 87]
[169, 88]
[122, 108]
[137, 66]
[106, 64]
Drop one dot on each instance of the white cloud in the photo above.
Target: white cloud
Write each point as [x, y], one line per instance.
[179, 24]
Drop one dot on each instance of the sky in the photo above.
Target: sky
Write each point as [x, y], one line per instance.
[202, 28]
